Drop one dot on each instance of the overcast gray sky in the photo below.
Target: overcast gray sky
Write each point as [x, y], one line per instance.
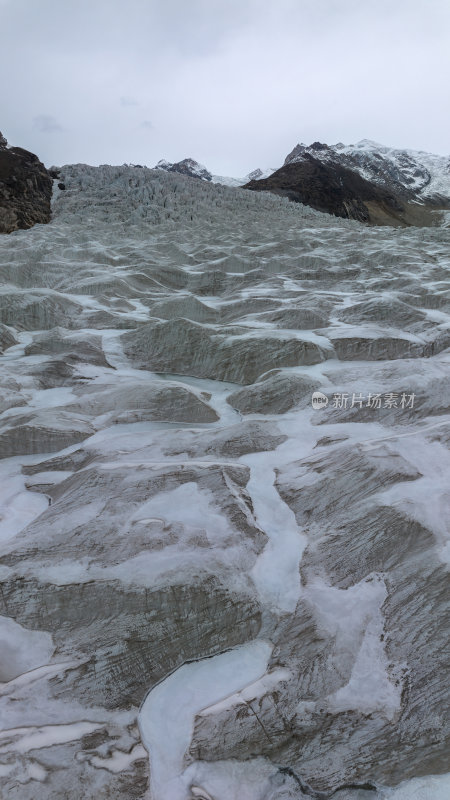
[234, 84]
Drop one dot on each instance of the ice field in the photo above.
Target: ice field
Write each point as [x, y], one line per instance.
[209, 588]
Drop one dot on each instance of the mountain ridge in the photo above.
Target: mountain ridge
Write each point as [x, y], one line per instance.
[193, 169]
[366, 181]
[416, 175]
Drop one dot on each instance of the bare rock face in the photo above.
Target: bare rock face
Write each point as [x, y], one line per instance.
[25, 189]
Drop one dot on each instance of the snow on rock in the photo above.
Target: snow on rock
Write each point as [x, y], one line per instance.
[193, 169]
[433, 787]
[186, 167]
[166, 717]
[354, 614]
[21, 649]
[22, 740]
[413, 173]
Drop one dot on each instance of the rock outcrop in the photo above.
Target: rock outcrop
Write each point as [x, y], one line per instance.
[25, 189]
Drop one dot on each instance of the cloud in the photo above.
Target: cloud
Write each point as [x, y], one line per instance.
[235, 83]
[45, 123]
[126, 100]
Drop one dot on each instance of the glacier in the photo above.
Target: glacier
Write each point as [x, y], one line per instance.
[211, 589]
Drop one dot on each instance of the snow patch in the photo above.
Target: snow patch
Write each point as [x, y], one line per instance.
[167, 715]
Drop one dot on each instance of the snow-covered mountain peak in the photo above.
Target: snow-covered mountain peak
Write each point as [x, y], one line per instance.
[367, 144]
[188, 166]
[414, 175]
[258, 174]
[193, 169]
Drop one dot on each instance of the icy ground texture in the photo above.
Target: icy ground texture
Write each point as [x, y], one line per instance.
[209, 588]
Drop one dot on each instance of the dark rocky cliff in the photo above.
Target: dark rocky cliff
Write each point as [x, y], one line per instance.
[25, 189]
